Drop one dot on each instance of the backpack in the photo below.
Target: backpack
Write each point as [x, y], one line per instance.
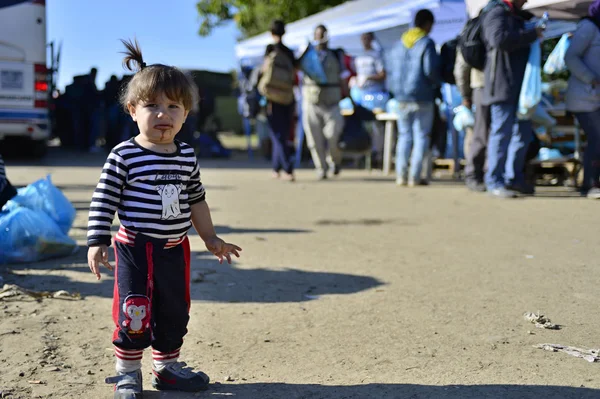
[448, 59]
[277, 81]
[471, 44]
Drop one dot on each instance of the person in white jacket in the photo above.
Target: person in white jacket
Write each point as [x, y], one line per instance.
[583, 94]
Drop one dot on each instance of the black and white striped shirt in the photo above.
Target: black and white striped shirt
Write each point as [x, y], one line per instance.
[151, 192]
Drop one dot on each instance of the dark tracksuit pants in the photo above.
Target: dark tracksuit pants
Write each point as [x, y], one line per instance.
[474, 169]
[280, 124]
[154, 285]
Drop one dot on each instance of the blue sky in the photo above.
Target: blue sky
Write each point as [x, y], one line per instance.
[166, 30]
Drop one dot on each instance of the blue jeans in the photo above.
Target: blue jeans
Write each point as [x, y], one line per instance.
[507, 147]
[415, 122]
[590, 123]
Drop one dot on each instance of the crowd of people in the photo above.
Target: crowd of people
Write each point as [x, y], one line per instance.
[91, 120]
[498, 147]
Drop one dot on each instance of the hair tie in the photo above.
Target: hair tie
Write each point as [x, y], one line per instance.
[143, 65]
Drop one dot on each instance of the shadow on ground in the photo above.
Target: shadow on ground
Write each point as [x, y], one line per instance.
[383, 391]
[211, 282]
[363, 222]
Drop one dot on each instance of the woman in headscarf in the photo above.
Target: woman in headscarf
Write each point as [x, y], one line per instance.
[583, 95]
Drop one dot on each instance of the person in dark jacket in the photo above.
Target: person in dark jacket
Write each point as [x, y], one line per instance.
[508, 43]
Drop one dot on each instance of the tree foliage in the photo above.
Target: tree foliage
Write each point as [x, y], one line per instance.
[254, 16]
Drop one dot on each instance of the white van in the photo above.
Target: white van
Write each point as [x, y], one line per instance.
[24, 76]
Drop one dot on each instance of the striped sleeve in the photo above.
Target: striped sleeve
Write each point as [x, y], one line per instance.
[106, 200]
[195, 188]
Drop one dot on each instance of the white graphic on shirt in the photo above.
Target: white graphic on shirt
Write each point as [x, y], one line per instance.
[169, 195]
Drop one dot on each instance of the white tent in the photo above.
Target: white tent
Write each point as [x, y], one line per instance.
[557, 9]
[346, 22]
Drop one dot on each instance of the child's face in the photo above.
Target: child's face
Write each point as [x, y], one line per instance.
[159, 119]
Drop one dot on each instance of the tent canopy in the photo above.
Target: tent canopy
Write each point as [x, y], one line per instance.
[557, 9]
[346, 22]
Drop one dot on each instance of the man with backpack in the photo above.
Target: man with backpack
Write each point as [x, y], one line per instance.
[321, 117]
[276, 84]
[507, 42]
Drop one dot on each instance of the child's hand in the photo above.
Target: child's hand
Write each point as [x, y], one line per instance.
[222, 249]
[97, 255]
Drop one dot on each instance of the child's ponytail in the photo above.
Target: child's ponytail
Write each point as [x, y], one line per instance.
[133, 55]
[148, 82]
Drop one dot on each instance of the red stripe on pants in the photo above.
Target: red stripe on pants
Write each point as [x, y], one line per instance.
[116, 300]
[187, 256]
[150, 289]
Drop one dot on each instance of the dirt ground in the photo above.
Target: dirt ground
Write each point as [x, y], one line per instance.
[353, 288]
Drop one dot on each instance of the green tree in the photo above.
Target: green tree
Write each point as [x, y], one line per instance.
[254, 16]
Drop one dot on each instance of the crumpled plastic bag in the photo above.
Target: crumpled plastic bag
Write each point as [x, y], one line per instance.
[556, 60]
[44, 196]
[531, 89]
[31, 235]
[542, 117]
[463, 118]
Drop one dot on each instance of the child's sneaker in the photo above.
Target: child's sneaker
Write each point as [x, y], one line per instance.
[127, 385]
[177, 377]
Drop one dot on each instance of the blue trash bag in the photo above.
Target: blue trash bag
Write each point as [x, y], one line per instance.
[531, 89]
[347, 105]
[356, 95]
[556, 60]
[392, 106]
[371, 100]
[463, 118]
[311, 65]
[546, 154]
[44, 196]
[31, 235]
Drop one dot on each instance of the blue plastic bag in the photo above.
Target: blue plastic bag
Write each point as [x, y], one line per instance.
[371, 100]
[463, 118]
[311, 65]
[531, 89]
[392, 106]
[346, 106]
[30, 236]
[556, 60]
[43, 196]
[541, 117]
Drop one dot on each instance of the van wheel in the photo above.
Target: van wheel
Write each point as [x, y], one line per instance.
[39, 148]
